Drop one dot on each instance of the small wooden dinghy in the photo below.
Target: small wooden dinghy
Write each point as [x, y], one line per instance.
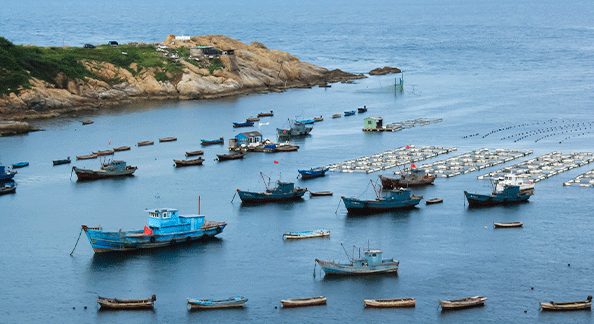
[462, 302]
[433, 201]
[512, 224]
[145, 143]
[230, 156]
[306, 234]
[318, 119]
[566, 306]
[252, 119]
[336, 116]
[182, 163]
[87, 122]
[103, 153]
[121, 148]
[87, 157]
[263, 114]
[302, 302]
[114, 303]
[10, 188]
[320, 193]
[167, 139]
[388, 303]
[194, 153]
[232, 302]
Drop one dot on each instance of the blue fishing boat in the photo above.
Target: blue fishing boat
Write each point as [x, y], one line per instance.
[165, 227]
[211, 142]
[394, 200]
[111, 169]
[371, 264]
[306, 121]
[231, 302]
[510, 190]
[284, 191]
[6, 174]
[20, 165]
[62, 161]
[313, 173]
[349, 113]
[246, 124]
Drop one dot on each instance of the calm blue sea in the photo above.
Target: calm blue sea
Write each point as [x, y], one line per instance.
[479, 65]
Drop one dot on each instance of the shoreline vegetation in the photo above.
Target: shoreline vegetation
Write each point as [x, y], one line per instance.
[45, 82]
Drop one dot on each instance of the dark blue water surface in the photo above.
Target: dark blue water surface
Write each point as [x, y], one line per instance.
[479, 65]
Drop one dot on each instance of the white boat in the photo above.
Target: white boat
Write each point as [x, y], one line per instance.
[389, 303]
[306, 234]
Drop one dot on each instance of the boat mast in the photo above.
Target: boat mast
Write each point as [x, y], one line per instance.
[376, 193]
[265, 185]
[347, 254]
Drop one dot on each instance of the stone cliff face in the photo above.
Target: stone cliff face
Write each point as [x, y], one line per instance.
[252, 68]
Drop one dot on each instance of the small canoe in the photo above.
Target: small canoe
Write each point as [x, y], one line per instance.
[566, 306]
[512, 224]
[182, 163]
[462, 302]
[306, 234]
[211, 142]
[246, 124]
[388, 303]
[302, 302]
[114, 303]
[230, 156]
[20, 165]
[433, 201]
[62, 161]
[349, 113]
[87, 122]
[320, 193]
[121, 148]
[252, 119]
[194, 153]
[103, 153]
[167, 139]
[336, 116]
[318, 119]
[232, 302]
[305, 121]
[145, 143]
[86, 157]
[263, 114]
[11, 188]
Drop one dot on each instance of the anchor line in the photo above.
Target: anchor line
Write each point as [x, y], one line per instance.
[79, 234]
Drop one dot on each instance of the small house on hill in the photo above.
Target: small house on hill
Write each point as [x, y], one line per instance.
[372, 123]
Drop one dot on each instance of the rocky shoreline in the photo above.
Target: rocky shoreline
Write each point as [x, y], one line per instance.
[250, 68]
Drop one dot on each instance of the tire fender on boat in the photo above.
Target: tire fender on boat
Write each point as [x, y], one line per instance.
[152, 239]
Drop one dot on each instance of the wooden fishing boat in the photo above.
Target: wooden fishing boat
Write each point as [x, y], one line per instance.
[246, 124]
[286, 148]
[302, 302]
[313, 173]
[86, 157]
[167, 139]
[389, 303]
[433, 201]
[10, 188]
[284, 191]
[20, 165]
[263, 114]
[145, 143]
[318, 119]
[252, 119]
[87, 122]
[307, 234]
[121, 148]
[211, 142]
[167, 228]
[111, 169]
[362, 109]
[320, 193]
[336, 116]
[371, 264]
[194, 153]
[413, 178]
[511, 224]
[182, 163]
[62, 161]
[231, 302]
[115, 303]
[103, 153]
[349, 113]
[230, 156]
[567, 306]
[462, 302]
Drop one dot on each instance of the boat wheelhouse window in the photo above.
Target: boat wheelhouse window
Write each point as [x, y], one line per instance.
[154, 215]
[166, 215]
[373, 254]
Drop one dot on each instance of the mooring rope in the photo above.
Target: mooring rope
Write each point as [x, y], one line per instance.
[79, 234]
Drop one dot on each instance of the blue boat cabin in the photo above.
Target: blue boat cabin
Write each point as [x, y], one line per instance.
[167, 220]
[373, 257]
[282, 188]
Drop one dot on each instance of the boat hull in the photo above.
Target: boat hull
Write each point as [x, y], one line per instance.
[303, 235]
[234, 302]
[494, 200]
[59, 162]
[114, 303]
[566, 306]
[332, 268]
[87, 174]
[356, 206]
[506, 225]
[313, 173]
[303, 302]
[390, 303]
[390, 182]
[184, 163]
[227, 157]
[103, 242]
[7, 176]
[7, 190]
[263, 197]
[462, 303]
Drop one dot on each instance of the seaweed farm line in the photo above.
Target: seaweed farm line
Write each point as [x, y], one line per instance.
[578, 180]
[472, 161]
[545, 166]
[389, 159]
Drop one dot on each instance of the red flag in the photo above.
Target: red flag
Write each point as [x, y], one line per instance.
[407, 147]
[413, 166]
[275, 162]
[147, 231]
[109, 142]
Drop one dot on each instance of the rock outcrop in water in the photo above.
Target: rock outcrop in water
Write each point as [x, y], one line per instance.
[251, 68]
